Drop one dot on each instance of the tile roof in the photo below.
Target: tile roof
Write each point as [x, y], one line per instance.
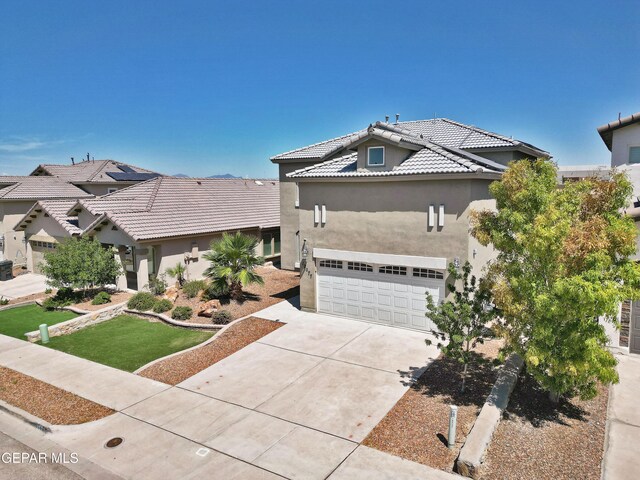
[432, 159]
[170, 207]
[96, 171]
[35, 188]
[606, 131]
[438, 130]
[57, 209]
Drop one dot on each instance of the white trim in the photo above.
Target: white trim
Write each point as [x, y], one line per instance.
[323, 215]
[384, 155]
[441, 215]
[316, 214]
[432, 216]
[297, 202]
[437, 263]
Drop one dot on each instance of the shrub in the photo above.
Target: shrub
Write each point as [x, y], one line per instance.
[181, 313]
[221, 317]
[192, 288]
[212, 291]
[101, 298]
[162, 305]
[48, 291]
[50, 304]
[157, 284]
[4, 301]
[141, 301]
[63, 298]
[177, 272]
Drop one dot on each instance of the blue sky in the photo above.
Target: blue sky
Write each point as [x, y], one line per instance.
[208, 87]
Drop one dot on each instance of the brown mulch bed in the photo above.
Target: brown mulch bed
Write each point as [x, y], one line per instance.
[47, 402]
[278, 286]
[117, 297]
[416, 427]
[28, 298]
[539, 440]
[180, 367]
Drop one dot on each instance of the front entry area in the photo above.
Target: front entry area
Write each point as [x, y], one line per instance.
[392, 295]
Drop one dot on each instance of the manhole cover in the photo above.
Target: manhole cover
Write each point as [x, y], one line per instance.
[114, 442]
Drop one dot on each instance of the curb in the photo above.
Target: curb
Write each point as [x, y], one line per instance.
[176, 323]
[26, 417]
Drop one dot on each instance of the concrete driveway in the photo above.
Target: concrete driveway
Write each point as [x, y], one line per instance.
[23, 285]
[299, 401]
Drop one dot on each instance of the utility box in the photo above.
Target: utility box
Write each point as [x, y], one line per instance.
[6, 270]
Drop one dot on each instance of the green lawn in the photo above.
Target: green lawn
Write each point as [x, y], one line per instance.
[15, 322]
[127, 342]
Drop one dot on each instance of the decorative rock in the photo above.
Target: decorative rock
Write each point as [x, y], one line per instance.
[171, 294]
[208, 308]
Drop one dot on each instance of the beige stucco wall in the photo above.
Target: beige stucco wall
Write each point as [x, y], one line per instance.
[11, 212]
[393, 155]
[623, 138]
[389, 217]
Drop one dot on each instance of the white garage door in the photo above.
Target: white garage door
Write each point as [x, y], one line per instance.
[388, 294]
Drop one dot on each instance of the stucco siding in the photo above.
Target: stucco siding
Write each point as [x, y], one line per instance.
[623, 138]
[10, 214]
[393, 155]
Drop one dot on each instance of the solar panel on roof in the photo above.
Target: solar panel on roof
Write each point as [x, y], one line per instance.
[132, 177]
[126, 168]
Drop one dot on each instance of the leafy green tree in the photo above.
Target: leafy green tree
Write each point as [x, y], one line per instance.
[177, 272]
[462, 319]
[233, 260]
[563, 263]
[81, 263]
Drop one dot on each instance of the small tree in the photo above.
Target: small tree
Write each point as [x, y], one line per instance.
[462, 320]
[80, 264]
[233, 260]
[563, 263]
[177, 272]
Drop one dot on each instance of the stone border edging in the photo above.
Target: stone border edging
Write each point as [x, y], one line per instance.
[206, 342]
[80, 322]
[472, 454]
[176, 323]
[25, 416]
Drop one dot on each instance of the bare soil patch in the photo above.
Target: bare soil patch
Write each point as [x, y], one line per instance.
[47, 402]
[539, 440]
[278, 286]
[28, 298]
[180, 367]
[416, 427]
[116, 297]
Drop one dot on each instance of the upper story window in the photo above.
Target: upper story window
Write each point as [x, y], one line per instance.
[634, 154]
[375, 156]
[111, 190]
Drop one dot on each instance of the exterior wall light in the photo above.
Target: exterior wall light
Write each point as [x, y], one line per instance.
[305, 250]
[456, 262]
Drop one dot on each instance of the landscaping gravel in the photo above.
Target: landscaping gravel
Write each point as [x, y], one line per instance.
[278, 286]
[47, 402]
[416, 427]
[538, 440]
[175, 369]
[116, 298]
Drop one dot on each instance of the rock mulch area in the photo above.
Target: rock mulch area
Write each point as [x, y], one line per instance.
[278, 286]
[180, 367]
[117, 297]
[416, 427]
[47, 402]
[538, 440]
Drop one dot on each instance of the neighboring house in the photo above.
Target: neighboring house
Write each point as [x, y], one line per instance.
[622, 138]
[373, 218]
[77, 180]
[97, 177]
[17, 195]
[161, 222]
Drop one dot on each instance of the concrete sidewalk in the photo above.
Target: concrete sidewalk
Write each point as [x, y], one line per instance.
[622, 446]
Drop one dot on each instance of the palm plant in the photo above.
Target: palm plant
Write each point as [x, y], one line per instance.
[177, 272]
[233, 260]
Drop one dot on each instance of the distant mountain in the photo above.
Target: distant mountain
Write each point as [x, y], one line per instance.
[181, 175]
[224, 175]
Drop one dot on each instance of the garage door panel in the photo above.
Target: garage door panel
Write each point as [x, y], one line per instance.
[395, 300]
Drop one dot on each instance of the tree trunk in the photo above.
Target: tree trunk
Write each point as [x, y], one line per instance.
[554, 397]
[464, 377]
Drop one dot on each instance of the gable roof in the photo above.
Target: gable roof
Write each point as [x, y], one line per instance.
[171, 207]
[56, 209]
[36, 188]
[606, 131]
[438, 130]
[96, 171]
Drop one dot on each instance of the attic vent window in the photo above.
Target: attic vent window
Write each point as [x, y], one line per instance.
[375, 156]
